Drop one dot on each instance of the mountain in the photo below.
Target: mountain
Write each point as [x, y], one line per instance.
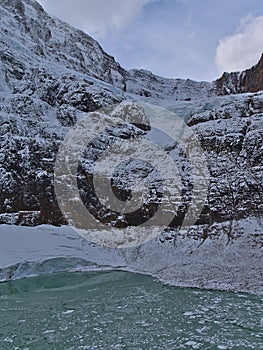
[32, 39]
[52, 74]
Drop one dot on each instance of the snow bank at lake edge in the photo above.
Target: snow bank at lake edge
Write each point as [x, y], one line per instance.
[216, 264]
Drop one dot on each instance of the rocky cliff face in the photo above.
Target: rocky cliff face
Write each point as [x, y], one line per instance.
[232, 139]
[250, 80]
[51, 75]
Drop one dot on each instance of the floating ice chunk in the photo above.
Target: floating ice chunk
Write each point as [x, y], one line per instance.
[193, 344]
[188, 313]
[68, 312]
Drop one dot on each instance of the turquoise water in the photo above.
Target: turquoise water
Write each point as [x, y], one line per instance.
[118, 310]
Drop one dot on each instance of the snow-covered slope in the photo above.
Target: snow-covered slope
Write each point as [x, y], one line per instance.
[29, 33]
[31, 251]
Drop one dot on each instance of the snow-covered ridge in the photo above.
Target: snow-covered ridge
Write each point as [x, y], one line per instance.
[32, 38]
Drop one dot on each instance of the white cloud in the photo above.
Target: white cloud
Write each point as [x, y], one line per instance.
[96, 17]
[242, 49]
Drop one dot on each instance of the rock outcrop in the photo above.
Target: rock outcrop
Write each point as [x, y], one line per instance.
[250, 80]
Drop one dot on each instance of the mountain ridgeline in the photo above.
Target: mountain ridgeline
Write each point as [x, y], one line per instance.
[52, 74]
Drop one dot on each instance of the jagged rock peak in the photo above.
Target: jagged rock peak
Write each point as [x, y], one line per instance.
[250, 80]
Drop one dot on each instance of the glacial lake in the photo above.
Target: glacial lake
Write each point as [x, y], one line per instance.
[119, 310]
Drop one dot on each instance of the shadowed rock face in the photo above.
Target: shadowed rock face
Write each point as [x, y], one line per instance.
[51, 75]
[250, 80]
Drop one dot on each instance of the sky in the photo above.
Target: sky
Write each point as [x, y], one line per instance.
[196, 39]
